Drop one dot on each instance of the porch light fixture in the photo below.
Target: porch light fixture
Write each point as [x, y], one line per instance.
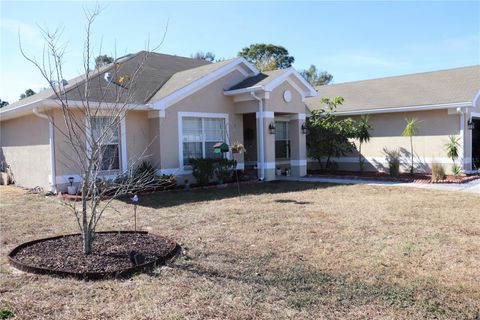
[272, 128]
[470, 124]
[304, 128]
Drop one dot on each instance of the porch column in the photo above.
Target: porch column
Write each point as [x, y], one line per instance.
[268, 145]
[298, 146]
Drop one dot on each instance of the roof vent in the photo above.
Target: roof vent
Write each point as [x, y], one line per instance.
[108, 77]
[64, 82]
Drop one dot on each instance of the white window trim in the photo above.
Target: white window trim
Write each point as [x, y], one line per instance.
[123, 162]
[182, 115]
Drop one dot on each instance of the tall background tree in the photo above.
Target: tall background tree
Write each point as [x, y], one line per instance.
[3, 103]
[267, 57]
[103, 60]
[208, 56]
[362, 133]
[27, 93]
[411, 128]
[327, 136]
[315, 77]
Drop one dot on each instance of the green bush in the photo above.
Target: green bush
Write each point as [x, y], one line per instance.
[224, 169]
[5, 313]
[202, 170]
[393, 159]
[438, 172]
[456, 170]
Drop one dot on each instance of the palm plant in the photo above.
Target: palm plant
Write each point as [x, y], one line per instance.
[453, 151]
[363, 135]
[411, 129]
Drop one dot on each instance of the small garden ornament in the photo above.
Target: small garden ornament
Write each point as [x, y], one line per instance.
[135, 200]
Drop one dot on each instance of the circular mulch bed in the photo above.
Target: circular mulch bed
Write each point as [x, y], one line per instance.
[114, 254]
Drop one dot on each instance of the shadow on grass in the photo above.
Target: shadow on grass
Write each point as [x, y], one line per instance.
[179, 197]
[307, 289]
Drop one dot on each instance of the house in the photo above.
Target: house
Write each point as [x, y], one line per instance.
[179, 109]
[446, 102]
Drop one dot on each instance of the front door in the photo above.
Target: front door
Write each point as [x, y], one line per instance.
[476, 144]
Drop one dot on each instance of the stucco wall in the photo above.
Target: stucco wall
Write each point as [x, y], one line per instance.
[276, 103]
[428, 144]
[208, 100]
[25, 148]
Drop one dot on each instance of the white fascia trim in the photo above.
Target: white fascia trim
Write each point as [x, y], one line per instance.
[475, 99]
[406, 109]
[310, 92]
[244, 90]
[202, 82]
[182, 115]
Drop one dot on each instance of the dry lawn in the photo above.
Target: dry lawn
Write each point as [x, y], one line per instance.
[283, 251]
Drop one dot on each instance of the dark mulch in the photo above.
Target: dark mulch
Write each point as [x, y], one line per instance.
[403, 177]
[111, 252]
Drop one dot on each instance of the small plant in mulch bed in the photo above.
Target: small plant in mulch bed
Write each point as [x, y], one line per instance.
[5, 313]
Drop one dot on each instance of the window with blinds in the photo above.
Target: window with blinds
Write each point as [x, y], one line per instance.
[106, 136]
[200, 135]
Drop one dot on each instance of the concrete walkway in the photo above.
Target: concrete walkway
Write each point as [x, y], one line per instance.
[472, 186]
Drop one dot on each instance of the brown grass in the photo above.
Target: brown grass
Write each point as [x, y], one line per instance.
[282, 251]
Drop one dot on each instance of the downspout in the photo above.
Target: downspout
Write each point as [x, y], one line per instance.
[51, 139]
[262, 133]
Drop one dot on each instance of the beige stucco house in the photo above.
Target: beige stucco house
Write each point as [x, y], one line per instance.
[181, 108]
[446, 102]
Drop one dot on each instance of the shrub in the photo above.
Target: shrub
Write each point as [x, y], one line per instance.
[202, 169]
[456, 170]
[438, 172]
[393, 159]
[224, 169]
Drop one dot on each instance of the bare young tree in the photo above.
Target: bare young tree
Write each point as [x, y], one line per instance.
[93, 107]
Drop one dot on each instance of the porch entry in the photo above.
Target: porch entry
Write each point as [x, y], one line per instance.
[284, 144]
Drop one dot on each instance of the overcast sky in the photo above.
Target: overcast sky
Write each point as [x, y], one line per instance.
[351, 40]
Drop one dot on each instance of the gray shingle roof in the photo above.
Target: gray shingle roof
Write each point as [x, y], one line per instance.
[260, 79]
[184, 78]
[435, 87]
[156, 71]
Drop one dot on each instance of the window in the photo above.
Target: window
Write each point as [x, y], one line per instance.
[282, 144]
[108, 141]
[199, 136]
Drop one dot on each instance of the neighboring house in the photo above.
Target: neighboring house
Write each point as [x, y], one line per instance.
[180, 108]
[447, 103]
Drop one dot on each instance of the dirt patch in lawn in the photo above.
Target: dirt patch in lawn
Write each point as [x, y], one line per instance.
[113, 254]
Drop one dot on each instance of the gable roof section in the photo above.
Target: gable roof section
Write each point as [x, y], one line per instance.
[156, 70]
[268, 80]
[185, 83]
[435, 89]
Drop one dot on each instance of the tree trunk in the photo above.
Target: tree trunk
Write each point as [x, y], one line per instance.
[360, 157]
[411, 152]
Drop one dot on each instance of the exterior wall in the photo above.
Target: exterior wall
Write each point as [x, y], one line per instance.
[208, 100]
[276, 103]
[139, 141]
[138, 146]
[25, 148]
[428, 144]
[475, 114]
